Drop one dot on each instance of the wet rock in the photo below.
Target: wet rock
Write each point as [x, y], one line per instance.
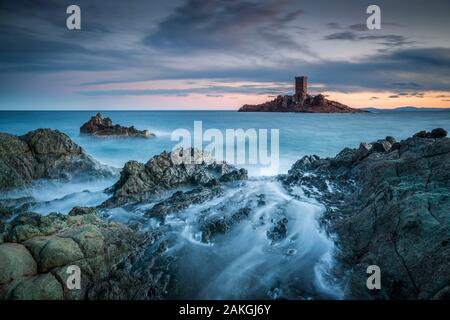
[164, 172]
[43, 154]
[241, 214]
[381, 146]
[421, 134]
[278, 231]
[390, 208]
[181, 200]
[41, 287]
[4, 213]
[222, 225]
[103, 127]
[438, 133]
[29, 225]
[15, 262]
[235, 175]
[55, 252]
[214, 227]
[390, 139]
[305, 163]
[141, 275]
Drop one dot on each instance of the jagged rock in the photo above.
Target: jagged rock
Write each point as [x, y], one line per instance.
[438, 133]
[234, 175]
[99, 126]
[43, 154]
[435, 134]
[181, 200]
[390, 139]
[169, 170]
[278, 231]
[141, 275]
[389, 208]
[222, 225]
[305, 163]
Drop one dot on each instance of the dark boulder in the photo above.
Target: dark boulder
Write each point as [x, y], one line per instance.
[222, 225]
[182, 200]
[438, 133]
[44, 154]
[169, 170]
[99, 126]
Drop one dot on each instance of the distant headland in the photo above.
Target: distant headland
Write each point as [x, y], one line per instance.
[301, 101]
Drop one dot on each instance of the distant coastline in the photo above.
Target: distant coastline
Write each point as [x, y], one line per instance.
[405, 109]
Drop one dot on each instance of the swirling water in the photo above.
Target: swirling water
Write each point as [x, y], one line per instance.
[244, 262]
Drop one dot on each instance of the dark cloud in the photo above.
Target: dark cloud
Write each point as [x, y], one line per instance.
[227, 25]
[394, 97]
[387, 40]
[406, 84]
[358, 27]
[346, 35]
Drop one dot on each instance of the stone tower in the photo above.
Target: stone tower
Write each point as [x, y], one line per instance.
[301, 89]
[301, 85]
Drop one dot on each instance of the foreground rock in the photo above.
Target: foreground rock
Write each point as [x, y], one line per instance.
[389, 204]
[103, 127]
[170, 170]
[43, 153]
[36, 251]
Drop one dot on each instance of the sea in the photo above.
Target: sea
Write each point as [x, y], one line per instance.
[242, 263]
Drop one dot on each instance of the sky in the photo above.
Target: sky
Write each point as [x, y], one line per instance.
[221, 54]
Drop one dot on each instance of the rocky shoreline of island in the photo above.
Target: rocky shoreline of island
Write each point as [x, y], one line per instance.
[387, 204]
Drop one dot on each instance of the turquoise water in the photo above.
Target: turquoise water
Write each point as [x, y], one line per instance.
[300, 134]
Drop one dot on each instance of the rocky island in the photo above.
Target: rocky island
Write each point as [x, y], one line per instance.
[301, 101]
[103, 127]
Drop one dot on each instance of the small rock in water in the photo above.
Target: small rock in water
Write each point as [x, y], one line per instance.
[275, 293]
[278, 230]
[291, 252]
[99, 126]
